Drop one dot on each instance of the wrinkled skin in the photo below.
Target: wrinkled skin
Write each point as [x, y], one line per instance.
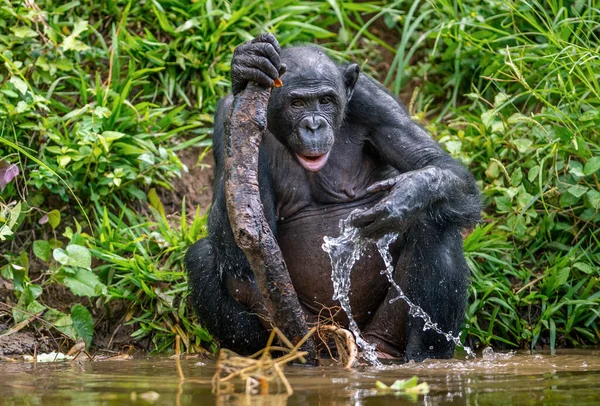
[338, 141]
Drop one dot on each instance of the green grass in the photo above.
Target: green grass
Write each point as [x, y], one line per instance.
[97, 98]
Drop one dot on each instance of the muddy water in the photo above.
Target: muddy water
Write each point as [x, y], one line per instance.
[572, 377]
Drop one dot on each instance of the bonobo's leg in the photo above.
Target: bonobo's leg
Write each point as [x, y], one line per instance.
[223, 289]
[230, 321]
[432, 272]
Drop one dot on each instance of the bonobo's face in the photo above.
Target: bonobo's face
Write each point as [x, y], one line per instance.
[306, 113]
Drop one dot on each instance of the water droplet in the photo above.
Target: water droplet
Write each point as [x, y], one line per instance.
[488, 354]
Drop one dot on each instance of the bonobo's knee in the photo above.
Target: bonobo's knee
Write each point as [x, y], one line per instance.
[229, 321]
[200, 265]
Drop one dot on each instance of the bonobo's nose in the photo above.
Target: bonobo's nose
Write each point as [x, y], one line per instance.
[312, 123]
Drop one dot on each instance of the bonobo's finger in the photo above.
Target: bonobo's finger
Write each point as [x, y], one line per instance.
[367, 217]
[260, 63]
[268, 52]
[375, 229]
[382, 185]
[282, 69]
[268, 37]
[257, 76]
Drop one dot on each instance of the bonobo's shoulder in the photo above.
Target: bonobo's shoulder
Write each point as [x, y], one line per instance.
[371, 102]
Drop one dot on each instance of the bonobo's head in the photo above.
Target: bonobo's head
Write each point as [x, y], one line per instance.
[306, 113]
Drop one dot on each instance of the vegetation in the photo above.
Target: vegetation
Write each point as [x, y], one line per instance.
[98, 98]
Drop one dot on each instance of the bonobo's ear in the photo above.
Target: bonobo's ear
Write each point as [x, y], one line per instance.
[350, 77]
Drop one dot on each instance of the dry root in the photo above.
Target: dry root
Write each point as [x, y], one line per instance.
[329, 331]
[344, 343]
[262, 374]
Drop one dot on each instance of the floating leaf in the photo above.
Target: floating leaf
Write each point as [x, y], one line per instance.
[408, 386]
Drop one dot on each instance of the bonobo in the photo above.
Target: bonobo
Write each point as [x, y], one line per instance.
[337, 141]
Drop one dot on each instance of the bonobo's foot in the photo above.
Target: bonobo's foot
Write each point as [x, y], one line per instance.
[385, 350]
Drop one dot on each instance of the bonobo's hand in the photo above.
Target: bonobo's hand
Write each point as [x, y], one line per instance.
[410, 192]
[257, 61]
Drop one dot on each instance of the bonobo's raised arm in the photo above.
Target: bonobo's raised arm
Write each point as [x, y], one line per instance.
[430, 182]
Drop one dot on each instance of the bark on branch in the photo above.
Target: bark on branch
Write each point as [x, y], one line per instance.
[244, 131]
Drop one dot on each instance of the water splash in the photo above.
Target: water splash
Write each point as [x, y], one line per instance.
[383, 245]
[344, 251]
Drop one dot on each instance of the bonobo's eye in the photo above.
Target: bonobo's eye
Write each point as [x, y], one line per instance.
[325, 100]
[298, 103]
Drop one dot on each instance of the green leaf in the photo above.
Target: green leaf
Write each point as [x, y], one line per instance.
[591, 114]
[54, 218]
[405, 383]
[83, 323]
[522, 144]
[24, 32]
[576, 169]
[155, 201]
[592, 165]
[493, 170]
[75, 255]
[79, 256]
[61, 321]
[41, 249]
[60, 256]
[516, 177]
[453, 147]
[503, 204]
[594, 198]
[63, 160]
[35, 307]
[83, 283]
[561, 276]
[79, 27]
[577, 190]
[499, 99]
[583, 267]
[533, 173]
[72, 44]
[19, 84]
[487, 117]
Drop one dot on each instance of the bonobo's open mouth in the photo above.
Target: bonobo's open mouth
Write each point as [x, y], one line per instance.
[312, 162]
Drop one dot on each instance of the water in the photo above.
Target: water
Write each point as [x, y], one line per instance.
[572, 377]
[383, 246]
[343, 252]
